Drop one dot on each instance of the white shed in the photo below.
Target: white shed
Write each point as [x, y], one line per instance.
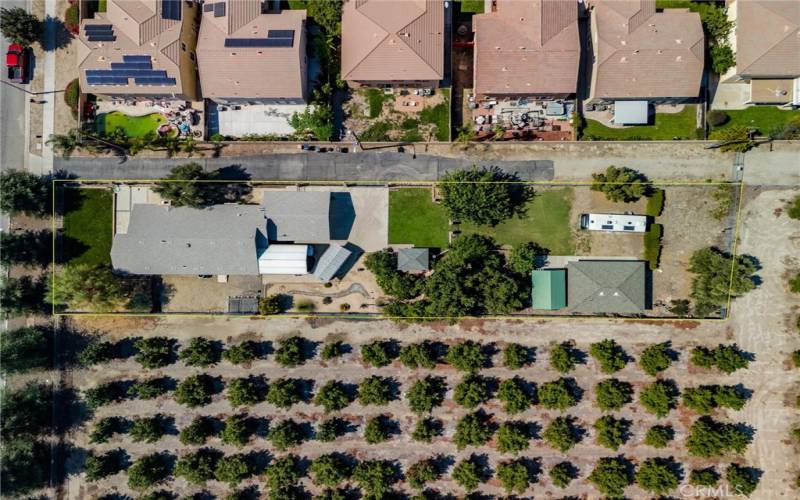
[284, 259]
[630, 112]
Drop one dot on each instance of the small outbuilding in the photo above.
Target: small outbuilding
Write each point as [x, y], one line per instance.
[331, 261]
[630, 112]
[413, 260]
[549, 289]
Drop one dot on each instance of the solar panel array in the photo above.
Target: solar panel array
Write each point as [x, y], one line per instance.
[171, 9]
[140, 68]
[219, 9]
[208, 7]
[99, 32]
[275, 38]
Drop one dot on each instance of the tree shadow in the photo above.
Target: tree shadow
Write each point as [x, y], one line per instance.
[61, 36]
[233, 173]
[532, 429]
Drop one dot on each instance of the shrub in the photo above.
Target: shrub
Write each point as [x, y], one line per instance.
[612, 394]
[657, 475]
[705, 398]
[426, 429]
[148, 471]
[72, 20]
[620, 184]
[659, 397]
[104, 429]
[659, 436]
[377, 430]
[426, 394]
[744, 480]
[283, 473]
[611, 476]
[240, 354]
[283, 393]
[154, 352]
[420, 473]
[796, 358]
[512, 437]
[330, 470]
[328, 430]
[472, 430]
[709, 438]
[285, 434]
[198, 467]
[655, 203]
[197, 432]
[704, 477]
[794, 284]
[611, 432]
[472, 391]
[561, 434]
[97, 352]
[526, 257]
[728, 358]
[702, 357]
[147, 429]
[467, 356]
[794, 208]
[194, 391]
[103, 394]
[516, 356]
[235, 431]
[233, 469]
[332, 396]
[652, 245]
[712, 285]
[609, 354]
[290, 352]
[558, 394]
[271, 304]
[243, 392]
[655, 359]
[375, 477]
[199, 352]
[514, 396]
[99, 466]
[562, 358]
[561, 474]
[467, 474]
[305, 305]
[421, 355]
[513, 476]
[332, 350]
[378, 353]
[148, 389]
[375, 390]
[717, 117]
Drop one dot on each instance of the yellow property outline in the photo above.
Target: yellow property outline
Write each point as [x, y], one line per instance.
[400, 183]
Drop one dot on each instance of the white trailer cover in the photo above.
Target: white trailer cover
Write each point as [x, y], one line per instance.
[284, 259]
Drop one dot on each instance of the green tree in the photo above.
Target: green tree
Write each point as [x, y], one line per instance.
[24, 193]
[514, 396]
[657, 475]
[240, 354]
[744, 480]
[702, 357]
[375, 390]
[426, 394]
[200, 429]
[283, 473]
[332, 396]
[709, 438]
[426, 429]
[104, 429]
[659, 397]
[704, 477]
[516, 356]
[154, 352]
[194, 391]
[375, 477]
[659, 436]
[102, 395]
[562, 473]
[484, 196]
[290, 352]
[793, 211]
[422, 472]
[472, 430]
[332, 350]
[284, 392]
[286, 434]
[330, 429]
[734, 137]
[525, 257]
[316, 120]
[611, 432]
[243, 391]
[512, 437]
[270, 304]
[513, 476]
[558, 394]
[235, 431]
[97, 352]
[200, 352]
[472, 391]
[611, 476]
[148, 471]
[655, 358]
[147, 429]
[24, 466]
[383, 265]
[83, 286]
[330, 470]
[24, 349]
[466, 356]
[378, 353]
[612, 394]
[722, 58]
[30, 249]
[188, 185]
[620, 184]
[562, 357]
[467, 473]
[233, 469]
[100, 466]
[562, 434]
[148, 389]
[376, 430]
[421, 355]
[198, 467]
[21, 296]
[19, 26]
[729, 358]
[609, 354]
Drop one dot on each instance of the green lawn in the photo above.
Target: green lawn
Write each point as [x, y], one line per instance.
[134, 126]
[666, 126]
[415, 219]
[546, 223]
[764, 118]
[472, 6]
[440, 116]
[88, 223]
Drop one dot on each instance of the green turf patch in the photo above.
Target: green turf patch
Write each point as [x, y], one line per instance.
[763, 118]
[414, 219]
[666, 126]
[440, 116]
[134, 126]
[375, 99]
[472, 6]
[546, 222]
[88, 223]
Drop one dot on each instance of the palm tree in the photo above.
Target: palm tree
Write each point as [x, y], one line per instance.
[65, 144]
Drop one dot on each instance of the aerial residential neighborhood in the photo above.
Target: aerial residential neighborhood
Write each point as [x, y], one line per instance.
[422, 249]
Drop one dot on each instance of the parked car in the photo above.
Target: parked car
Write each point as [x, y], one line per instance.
[308, 147]
[17, 63]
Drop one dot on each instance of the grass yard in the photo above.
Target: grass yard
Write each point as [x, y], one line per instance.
[439, 115]
[88, 223]
[415, 219]
[134, 126]
[472, 6]
[666, 126]
[764, 118]
[376, 98]
[546, 223]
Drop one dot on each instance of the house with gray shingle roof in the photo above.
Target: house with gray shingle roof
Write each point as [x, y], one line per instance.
[298, 216]
[607, 286]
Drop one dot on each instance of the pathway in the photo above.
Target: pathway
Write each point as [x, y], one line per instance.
[49, 107]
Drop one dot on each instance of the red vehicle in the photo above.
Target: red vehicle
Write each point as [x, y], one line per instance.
[16, 62]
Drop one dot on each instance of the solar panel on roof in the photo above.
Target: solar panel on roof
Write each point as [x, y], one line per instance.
[101, 27]
[101, 38]
[141, 66]
[258, 42]
[171, 9]
[208, 7]
[219, 9]
[154, 81]
[133, 59]
[280, 33]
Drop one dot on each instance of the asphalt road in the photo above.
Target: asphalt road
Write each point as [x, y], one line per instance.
[365, 166]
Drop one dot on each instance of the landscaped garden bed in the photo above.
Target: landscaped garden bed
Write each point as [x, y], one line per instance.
[665, 127]
[767, 120]
[133, 126]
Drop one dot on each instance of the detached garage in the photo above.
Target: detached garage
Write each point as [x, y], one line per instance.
[284, 259]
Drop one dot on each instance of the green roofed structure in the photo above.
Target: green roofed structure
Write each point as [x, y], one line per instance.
[549, 289]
